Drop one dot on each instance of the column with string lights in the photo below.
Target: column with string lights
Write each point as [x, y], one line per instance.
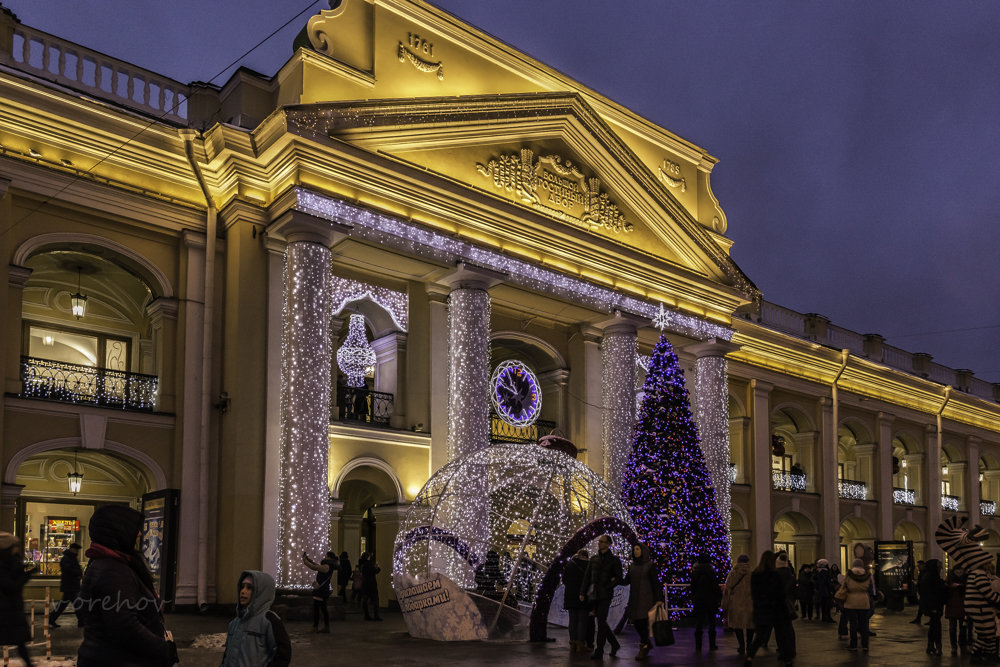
[304, 495]
[618, 350]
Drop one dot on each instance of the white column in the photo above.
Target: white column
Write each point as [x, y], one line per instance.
[618, 349]
[932, 490]
[390, 372]
[971, 492]
[712, 416]
[305, 449]
[468, 368]
[335, 507]
[828, 484]
[763, 526]
[864, 470]
[884, 486]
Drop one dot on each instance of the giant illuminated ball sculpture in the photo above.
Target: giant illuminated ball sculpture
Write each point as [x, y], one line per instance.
[481, 551]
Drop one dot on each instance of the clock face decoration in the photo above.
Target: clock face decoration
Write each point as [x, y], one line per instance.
[515, 394]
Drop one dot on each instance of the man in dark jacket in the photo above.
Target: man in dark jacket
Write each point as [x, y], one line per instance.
[70, 574]
[604, 573]
[824, 587]
[581, 624]
[122, 619]
[369, 586]
[706, 595]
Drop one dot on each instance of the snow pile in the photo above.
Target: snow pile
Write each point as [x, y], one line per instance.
[217, 640]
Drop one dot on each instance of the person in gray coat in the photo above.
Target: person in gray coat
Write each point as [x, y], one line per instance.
[645, 592]
[256, 637]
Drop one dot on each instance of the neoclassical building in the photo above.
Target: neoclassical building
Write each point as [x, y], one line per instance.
[267, 313]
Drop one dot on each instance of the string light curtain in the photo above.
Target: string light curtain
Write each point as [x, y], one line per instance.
[305, 394]
[618, 350]
[711, 382]
[468, 371]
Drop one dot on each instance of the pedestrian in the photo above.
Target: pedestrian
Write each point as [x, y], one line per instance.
[604, 573]
[572, 579]
[645, 593]
[257, 636]
[737, 604]
[933, 594]
[915, 596]
[787, 574]
[357, 581]
[823, 589]
[344, 573]
[837, 579]
[369, 586]
[770, 611]
[855, 591]
[806, 591]
[14, 628]
[959, 628]
[70, 574]
[706, 595]
[122, 616]
[325, 570]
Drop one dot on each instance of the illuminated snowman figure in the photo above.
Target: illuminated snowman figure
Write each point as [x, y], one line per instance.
[481, 551]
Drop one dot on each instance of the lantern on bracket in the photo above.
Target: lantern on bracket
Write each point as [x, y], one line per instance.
[75, 478]
[777, 445]
[356, 355]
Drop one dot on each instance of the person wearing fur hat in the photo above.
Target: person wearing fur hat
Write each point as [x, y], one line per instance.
[14, 628]
[122, 616]
[857, 583]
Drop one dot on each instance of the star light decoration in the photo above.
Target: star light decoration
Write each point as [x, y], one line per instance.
[356, 355]
[667, 486]
[538, 499]
[303, 494]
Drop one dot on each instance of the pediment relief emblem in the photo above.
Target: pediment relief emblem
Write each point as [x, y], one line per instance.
[557, 187]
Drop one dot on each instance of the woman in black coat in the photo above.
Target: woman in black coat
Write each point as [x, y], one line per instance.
[706, 596]
[122, 618]
[369, 585]
[579, 610]
[344, 572]
[13, 625]
[770, 611]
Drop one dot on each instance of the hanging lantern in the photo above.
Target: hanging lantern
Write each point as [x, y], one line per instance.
[356, 355]
[777, 445]
[78, 301]
[75, 478]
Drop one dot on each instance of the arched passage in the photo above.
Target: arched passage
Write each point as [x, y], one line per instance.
[853, 530]
[909, 531]
[795, 533]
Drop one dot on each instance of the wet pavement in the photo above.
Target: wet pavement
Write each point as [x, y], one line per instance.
[354, 641]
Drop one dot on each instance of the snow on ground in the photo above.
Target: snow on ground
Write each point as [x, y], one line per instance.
[42, 662]
[210, 641]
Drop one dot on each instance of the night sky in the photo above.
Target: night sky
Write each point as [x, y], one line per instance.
[859, 142]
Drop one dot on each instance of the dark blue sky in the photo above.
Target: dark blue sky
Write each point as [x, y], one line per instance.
[859, 142]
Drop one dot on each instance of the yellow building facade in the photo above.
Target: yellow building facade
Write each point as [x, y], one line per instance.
[409, 180]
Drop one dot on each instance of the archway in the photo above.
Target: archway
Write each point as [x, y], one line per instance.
[853, 530]
[50, 516]
[795, 534]
[909, 531]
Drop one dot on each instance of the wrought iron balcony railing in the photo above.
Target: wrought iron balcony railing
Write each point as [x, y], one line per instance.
[904, 496]
[72, 383]
[502, 431]
[949, 503]
[788, 481]
[987, 508]
[852, 489]
[357, 404]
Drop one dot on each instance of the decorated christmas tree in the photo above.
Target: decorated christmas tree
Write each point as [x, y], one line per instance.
[666, 484]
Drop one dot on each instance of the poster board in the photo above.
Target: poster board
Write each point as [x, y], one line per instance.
[160, 510]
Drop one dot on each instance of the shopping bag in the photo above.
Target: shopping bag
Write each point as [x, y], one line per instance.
[660, 626]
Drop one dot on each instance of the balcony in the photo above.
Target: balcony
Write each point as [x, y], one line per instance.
[904, 496]
[501, 431]
[852, 489]
[987, 508]
[87, 385]
[788, 481]
[949, 503]
[364, 406]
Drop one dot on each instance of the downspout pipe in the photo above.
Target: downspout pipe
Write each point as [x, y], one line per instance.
[211, 219]
[938, 416]
[845, 356]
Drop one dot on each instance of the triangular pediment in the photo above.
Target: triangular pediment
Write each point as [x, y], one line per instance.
[547, 153]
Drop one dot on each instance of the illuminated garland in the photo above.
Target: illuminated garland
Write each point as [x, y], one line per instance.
[397, 304]
[987, 508]
[852, 490]
[356, 355]
[305, 393]
[412, 239]
[904, 496]
[789, 481]
[667, 486]
[618, 350]
[949, 503]
[712, 388]
[468, 371]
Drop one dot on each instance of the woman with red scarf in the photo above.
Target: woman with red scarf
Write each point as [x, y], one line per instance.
[122, 616]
